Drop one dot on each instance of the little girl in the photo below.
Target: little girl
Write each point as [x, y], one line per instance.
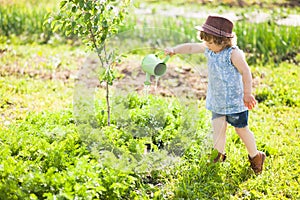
[229, 94]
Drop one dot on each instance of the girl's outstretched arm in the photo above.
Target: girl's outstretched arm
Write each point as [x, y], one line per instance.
[186, 48]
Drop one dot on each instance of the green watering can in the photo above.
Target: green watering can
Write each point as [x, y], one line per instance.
[153, 65]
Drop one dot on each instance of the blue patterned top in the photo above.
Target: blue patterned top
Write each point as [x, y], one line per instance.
[225, 85]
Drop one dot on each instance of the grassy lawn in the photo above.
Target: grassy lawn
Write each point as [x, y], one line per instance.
[158, 147]
[37, 111]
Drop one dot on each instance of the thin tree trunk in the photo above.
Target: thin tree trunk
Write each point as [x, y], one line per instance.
[107, 87]
[108, 104]
[108, 65]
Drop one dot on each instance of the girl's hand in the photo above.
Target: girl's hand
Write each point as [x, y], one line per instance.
[169, 51]
[249, 101]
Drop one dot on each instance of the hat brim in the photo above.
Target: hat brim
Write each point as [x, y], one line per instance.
[201, 28]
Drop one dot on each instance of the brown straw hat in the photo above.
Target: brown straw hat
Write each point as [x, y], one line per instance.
[217, 26]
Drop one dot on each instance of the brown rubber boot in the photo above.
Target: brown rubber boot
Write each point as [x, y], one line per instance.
[257, 162]
[220, 157]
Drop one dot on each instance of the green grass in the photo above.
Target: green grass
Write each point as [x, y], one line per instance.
[46, 155]
[21, 95]
[46, 58]
[264, 42]
[275, 91]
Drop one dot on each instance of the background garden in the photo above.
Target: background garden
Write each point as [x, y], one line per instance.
[55, 139]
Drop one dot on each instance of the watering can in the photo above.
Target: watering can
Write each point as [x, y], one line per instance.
[153, 65]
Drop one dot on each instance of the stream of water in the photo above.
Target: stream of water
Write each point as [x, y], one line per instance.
[156, 83]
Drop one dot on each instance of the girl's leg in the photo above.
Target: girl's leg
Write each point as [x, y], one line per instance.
[248, 138]
[256, 157]
[219, 125]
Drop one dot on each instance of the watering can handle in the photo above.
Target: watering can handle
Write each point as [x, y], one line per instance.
[159, 53]
[166, 58]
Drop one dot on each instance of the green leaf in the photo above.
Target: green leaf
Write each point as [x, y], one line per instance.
[87, 16]
[68, 32]
[73, 24]
[53, 23]
[56, 27]
[62, 4]
[33, 197]
[81, 4]
[74, 9]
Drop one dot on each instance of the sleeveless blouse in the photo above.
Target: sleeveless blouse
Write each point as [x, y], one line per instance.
[225, 86]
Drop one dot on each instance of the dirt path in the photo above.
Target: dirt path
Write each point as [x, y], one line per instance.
[179, 80]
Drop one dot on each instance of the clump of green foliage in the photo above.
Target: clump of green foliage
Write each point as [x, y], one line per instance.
[275, 91]
[93, 22]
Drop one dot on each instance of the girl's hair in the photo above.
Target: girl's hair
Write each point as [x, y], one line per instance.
[222, 41]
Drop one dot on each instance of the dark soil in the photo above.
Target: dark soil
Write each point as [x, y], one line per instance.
[178, 81]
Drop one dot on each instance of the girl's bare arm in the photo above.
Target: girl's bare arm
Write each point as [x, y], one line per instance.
[239, 61]
[186, 48]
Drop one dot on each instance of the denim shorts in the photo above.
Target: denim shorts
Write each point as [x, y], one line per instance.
[238, 120]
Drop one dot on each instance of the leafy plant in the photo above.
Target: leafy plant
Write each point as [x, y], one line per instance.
[93, 21]
[275, 91]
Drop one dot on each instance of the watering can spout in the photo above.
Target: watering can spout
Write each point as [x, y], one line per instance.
[147, 82]
[152, 65]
